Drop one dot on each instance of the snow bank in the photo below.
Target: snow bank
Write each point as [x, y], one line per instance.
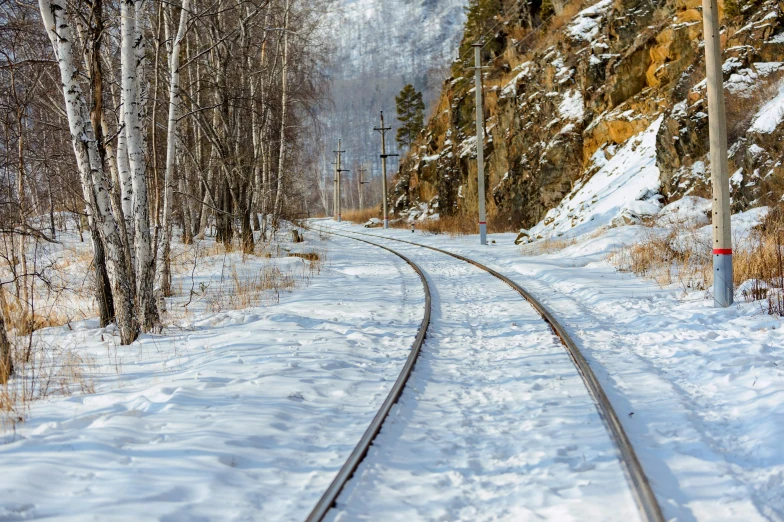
[585, 26]
[770, 115]
[571, 108]
[630, 175]
[235, 415]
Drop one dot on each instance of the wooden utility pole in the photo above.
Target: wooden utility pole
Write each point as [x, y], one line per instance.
[338, 171]
[361, 171]
[480, 144]
[717, 124]
[383, 130]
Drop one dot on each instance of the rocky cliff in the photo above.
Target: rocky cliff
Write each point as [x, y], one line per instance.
[597, 113]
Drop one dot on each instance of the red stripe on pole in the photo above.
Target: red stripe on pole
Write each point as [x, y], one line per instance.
[722, 251]
[483, 222]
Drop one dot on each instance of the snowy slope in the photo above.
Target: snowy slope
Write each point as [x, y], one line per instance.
[626, 184]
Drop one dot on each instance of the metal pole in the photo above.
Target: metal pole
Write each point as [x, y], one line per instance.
[480, 144]
[383, 130]
[722, 226]
[338, 183]
[335, 192]
[384, 171]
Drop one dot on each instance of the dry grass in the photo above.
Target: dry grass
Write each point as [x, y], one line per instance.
[679, 255]
[763, 263]
[245, 288]
[456, 225]
[546, 246]
[669, 258]
[22, 320]
[41, 371]
[361, 216]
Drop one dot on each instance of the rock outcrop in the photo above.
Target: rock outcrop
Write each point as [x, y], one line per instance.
[584, 83]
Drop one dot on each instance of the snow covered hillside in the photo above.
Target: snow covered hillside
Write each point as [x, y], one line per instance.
[381, 45]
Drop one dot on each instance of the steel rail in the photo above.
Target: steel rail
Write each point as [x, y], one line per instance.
[327, 500]
[641, 488]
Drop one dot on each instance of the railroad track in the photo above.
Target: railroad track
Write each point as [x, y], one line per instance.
[646, 502]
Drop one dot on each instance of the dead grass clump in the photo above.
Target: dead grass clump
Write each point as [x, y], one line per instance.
[47, 370]
[308, 256]
[23, 320]
[681, 255]
[361, 216]
[761, 262]
[457, 225]
[546, 246]
[245, 288]
[674, 256]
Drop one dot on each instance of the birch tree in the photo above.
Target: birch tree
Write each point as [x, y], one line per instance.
[131, 67]
[171, 149]
[56, 21]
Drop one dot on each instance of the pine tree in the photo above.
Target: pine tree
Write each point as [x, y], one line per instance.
[411, 113]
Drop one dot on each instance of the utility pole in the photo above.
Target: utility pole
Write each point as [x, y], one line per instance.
[361, 171]
[335, 191]
[717, 125]
[480, 144]
[338, 171]
[383, 130]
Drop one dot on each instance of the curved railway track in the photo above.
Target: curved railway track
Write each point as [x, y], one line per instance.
[327, 500]
[647, 504]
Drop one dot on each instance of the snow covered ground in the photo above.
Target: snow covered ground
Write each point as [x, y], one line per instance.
[700, 390]
[229, 415]
[248, 414]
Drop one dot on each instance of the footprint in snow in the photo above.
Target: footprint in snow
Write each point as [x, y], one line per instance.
[296, 396]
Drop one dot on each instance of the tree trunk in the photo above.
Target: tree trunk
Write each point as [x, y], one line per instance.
[284, 99]
[147, 311]
[6, 361]
[103, 292]
[171, 144]
[89, 164]
[103, 288]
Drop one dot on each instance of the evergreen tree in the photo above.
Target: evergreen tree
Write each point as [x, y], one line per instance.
[411, 113]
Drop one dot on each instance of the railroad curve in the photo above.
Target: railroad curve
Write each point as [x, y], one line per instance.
[327, 500]
[646, 502]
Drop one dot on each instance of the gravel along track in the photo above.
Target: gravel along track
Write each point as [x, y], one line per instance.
[495, 422]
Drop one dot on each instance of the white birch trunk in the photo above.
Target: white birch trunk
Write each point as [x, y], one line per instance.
[171, 144]
[284, 99]
[126, 185]
[94, 185]
[132, 112]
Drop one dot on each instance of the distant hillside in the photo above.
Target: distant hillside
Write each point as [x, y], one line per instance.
[379, 46]
[596, 113]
